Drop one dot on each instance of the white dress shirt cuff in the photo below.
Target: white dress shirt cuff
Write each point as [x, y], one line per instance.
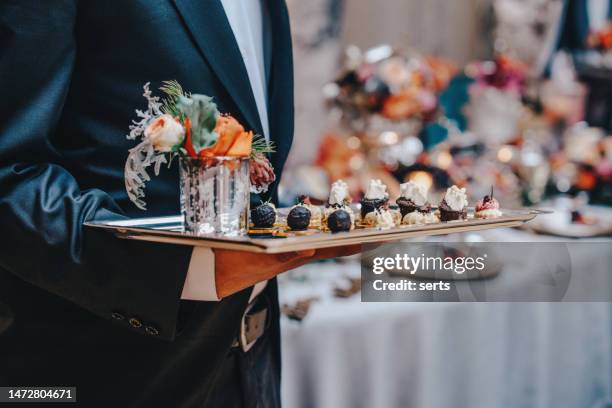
[200, 282]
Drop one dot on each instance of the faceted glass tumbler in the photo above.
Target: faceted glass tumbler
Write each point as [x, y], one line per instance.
[215, 195]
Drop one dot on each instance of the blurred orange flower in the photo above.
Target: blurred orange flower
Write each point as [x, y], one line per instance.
[402, 105]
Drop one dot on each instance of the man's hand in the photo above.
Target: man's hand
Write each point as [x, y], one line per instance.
[236, 270]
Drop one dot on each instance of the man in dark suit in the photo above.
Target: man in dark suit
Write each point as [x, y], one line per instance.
[80, 307]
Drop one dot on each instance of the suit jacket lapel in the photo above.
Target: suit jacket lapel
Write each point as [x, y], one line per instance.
[280, 91]
[213, 35]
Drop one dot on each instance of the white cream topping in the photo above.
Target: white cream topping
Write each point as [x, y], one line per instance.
[456, 198]
[376, 190]
[339, 193]
[415, 192]
[384, 219]
[431, 218]
[397, 216]
[370, 219]
[315, 212]
[417, 217]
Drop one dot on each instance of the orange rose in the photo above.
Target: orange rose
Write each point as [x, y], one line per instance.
[233, 139]
[228, 127]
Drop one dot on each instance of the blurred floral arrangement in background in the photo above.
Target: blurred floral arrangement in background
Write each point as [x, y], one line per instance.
[384, 82]
[405, 116]
[602, 39]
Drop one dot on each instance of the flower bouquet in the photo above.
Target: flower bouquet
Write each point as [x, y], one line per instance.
[495, 105]
[389, 86]
[220, 162]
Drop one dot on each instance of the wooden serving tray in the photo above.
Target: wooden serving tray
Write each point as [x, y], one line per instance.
[170, 230]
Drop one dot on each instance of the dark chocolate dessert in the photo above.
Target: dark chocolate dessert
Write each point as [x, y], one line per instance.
[372, 204]
[407, 206]
[375, 197]
[298, 218]
[339, 221]
[263, 216]
[454, 204]
[448, 214]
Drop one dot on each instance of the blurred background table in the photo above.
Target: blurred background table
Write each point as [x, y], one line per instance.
[486, 92]
[345, 353]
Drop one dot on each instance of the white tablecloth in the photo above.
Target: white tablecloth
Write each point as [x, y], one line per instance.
[351, 354]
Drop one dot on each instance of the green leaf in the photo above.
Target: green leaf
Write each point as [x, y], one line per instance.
[203, 113]
[173, 91]
[262, 146]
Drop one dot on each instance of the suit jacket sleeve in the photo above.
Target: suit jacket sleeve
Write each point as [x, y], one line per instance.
[42, 208]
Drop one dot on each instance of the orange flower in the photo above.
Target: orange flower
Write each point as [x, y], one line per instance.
[228, 127]
[233, 139]
[188, 140]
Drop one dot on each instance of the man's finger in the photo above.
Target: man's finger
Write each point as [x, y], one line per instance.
[295, 255]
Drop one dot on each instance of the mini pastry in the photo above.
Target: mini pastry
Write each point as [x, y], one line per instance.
[339, 195]
[488, 207]
[417, 217]
[339, 221]
[381, 218]
[338, 199]
[315, 212]
[264, 215]
[413, 197]
[396, 213]
[454, 205]
[375, 197]
[298, 218]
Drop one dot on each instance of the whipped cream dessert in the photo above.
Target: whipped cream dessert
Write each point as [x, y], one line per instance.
[397, 215]
[375, 197]
[415, 192]
[376, 191]
[456, 198]
[339, 198]
[454, 204]
[339, 194]
[413, 197]
[417, 217]
[382, 218]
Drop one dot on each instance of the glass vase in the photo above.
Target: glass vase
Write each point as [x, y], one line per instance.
[215, 195]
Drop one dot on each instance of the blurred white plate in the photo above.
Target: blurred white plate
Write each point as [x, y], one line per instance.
[560, 223]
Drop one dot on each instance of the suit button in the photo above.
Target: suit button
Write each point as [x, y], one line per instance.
[152, 330]
[135, 323]
[117, 316]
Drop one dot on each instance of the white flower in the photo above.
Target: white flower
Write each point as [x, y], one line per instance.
[164, 132]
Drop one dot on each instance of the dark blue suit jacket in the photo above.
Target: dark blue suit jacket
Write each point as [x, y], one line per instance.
[80, 307]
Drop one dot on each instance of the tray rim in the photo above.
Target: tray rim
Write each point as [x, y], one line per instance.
[132, 229]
